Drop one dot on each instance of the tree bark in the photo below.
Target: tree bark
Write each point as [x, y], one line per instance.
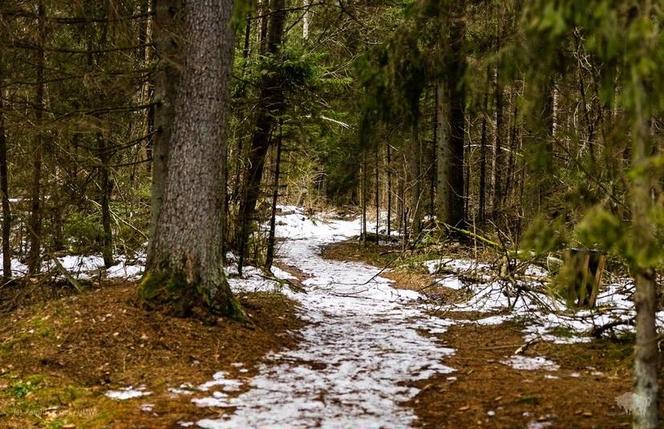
[269, 258]
[453, 190]
[186, 267]
[482, 178]
[148, 86]
[415, 180]
[646, 353]
[106, 188]
[270, 106]
[377, 189]
[166, 25]
[509, 183]
[363, 203]
[104, 151]
[4, 187]
[389, 189]
[306, 18]
[498, 152]
[441, 152]
[36, 215]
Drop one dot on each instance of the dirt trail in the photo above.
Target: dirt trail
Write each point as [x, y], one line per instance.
[364, 344]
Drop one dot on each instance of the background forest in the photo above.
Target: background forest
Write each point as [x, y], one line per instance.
[527, 127]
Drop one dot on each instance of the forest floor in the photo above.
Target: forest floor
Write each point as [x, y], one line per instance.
[59, 357]
[580, 391]
[363, 338]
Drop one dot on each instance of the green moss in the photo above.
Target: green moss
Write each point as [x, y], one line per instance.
[164, 288]
[22, 388]
[528, 400]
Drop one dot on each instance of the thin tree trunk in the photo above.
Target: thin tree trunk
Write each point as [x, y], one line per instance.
[389, 190]
[186, 267]
[363, 233]
[306, 17]
[646, 353]
[149, 86]
[246, 50]
[270, 106]
[269, 258]
[264, 7]
[434, 153]
[106, 187]
[442, 134]
[645, 300]
[498, 153]
[586, 112]
[104, 153]
[483, 147]
[4, 187]
[513, 148]
[36, 215]
[377, 190]
[415, 180]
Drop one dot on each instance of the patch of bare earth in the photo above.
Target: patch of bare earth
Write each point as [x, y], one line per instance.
[59, 357]
[485, 393]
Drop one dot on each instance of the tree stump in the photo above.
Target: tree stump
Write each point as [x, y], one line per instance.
[585, 268]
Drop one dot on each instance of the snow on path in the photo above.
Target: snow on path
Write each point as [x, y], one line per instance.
[357, 353]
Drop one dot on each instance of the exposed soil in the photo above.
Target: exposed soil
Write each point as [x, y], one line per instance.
[485, 393]
[59, 356]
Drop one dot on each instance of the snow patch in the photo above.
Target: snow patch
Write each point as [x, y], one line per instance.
[127, 393]
[525, 363]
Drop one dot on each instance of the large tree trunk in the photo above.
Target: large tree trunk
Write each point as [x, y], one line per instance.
[4, 188]
[35, 223]
[186, 265]
[270, 106]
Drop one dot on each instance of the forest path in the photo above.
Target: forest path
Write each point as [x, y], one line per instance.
[364, 342]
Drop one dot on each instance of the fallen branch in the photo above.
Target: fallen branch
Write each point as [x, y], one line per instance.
[597, 331]
[527, 345]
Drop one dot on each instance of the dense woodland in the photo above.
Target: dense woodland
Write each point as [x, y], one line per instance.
[175, 129]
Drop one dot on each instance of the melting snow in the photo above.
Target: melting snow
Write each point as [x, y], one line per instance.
[87, 267]
[127, 393]
[220, 379]
[531, 363]
[360, 348]
[455, 265]
[546, 317]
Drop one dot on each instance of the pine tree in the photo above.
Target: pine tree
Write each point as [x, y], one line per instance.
[186, 265]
